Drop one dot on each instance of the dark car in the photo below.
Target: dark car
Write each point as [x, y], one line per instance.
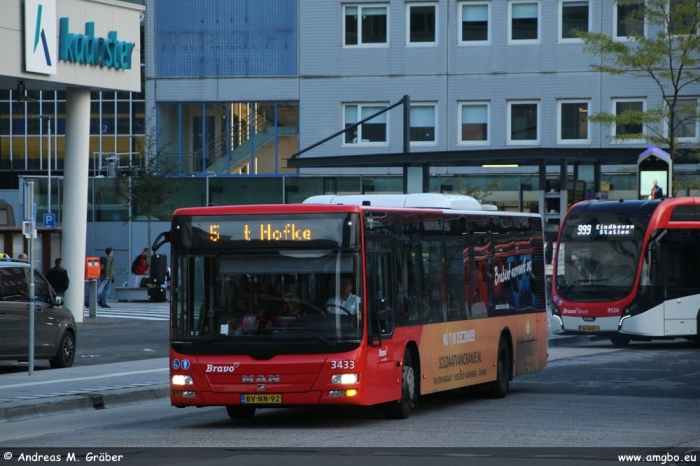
[54, 325]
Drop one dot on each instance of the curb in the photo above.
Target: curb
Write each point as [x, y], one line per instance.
[21, 410]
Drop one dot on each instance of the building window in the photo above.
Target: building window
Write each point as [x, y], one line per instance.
[686, 120]
[629, 19]
[474, 18]
[422, 24]
[423, 123]
[366, 25]
[523, 123]
[373, 131]
[683, 17]
[575, 17]
[523, 23]
[474, 123]
[625, 132]
[573, 122]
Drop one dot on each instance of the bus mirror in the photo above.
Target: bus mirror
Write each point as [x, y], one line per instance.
[654, 253]
[378, 305]
[375, 335]
[382, 321]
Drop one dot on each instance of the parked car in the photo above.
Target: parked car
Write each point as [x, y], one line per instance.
[54, 325]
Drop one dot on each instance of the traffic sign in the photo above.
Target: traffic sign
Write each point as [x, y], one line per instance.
[49, 220]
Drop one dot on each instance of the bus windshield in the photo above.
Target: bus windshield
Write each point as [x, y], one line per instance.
[597, 257]
[268, 301]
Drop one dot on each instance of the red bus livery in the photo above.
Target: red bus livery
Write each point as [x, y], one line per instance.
[628, 270]
[353, 300]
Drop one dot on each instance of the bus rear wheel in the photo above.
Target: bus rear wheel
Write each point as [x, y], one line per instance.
[499, 387]
[401, 409]
[620, 339]
[240, 412]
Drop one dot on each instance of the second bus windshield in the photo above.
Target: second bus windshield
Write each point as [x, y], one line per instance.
[597, 257]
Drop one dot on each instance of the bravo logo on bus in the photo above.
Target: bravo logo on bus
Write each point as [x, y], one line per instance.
[87, 49]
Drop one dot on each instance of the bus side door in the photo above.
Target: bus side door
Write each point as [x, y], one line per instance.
[381, 353]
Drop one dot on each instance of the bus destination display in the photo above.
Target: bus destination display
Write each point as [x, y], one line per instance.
[266, 232]
[213, 232]
[614, 229]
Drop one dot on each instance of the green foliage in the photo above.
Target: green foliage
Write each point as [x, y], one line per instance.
[480, 193]
[668, 55]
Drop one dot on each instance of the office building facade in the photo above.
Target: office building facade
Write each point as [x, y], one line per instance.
[236, 89]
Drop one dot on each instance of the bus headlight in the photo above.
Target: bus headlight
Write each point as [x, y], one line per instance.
[181, 380]
[345, 379]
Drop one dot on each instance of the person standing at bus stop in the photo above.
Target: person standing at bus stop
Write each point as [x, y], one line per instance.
[140, 264]
[106, 278]
[57, 277]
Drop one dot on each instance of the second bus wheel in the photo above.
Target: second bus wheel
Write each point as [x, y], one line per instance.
[620, 339]
[240, 412]
[401, 409]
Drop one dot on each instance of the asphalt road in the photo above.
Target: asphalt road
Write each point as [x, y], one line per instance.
[592, 403]
[590, 395]
[104, 340]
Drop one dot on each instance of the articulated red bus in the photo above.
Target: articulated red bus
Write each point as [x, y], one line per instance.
[629, 270]
[353, 300]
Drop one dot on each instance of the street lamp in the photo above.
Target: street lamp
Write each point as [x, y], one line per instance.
[49, 117]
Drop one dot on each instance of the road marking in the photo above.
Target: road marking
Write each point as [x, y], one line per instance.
[153, 314]
[95, 377]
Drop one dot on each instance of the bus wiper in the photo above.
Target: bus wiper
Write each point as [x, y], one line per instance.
[308, 332]
[583, 280]
[204, 341]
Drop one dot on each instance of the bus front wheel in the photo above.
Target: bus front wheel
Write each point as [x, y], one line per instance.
[401, 409]
[240, 412]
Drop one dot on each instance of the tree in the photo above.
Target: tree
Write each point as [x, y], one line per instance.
[146, 188]
[480, 193]
[668, 54]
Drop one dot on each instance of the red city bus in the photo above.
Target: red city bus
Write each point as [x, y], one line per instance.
[628, 270]
[352, 300]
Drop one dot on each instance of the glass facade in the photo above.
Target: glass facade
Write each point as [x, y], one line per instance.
[511, 192]
[117, 124]
[228, 138]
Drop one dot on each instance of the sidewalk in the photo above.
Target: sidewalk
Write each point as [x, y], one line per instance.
[99, 382]
[100, 386]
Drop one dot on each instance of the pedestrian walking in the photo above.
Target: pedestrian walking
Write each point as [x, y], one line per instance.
[106, 277]
[57, 277]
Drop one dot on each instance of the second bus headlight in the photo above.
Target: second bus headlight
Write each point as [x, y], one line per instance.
[345, 379]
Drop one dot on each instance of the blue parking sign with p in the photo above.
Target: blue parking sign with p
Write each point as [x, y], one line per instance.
[49, 220]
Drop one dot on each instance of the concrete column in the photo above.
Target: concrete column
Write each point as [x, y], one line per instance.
[75, 196]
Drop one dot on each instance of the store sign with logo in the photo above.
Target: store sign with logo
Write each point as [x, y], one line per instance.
[44, 47]
[40, 36]
[109, 52]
